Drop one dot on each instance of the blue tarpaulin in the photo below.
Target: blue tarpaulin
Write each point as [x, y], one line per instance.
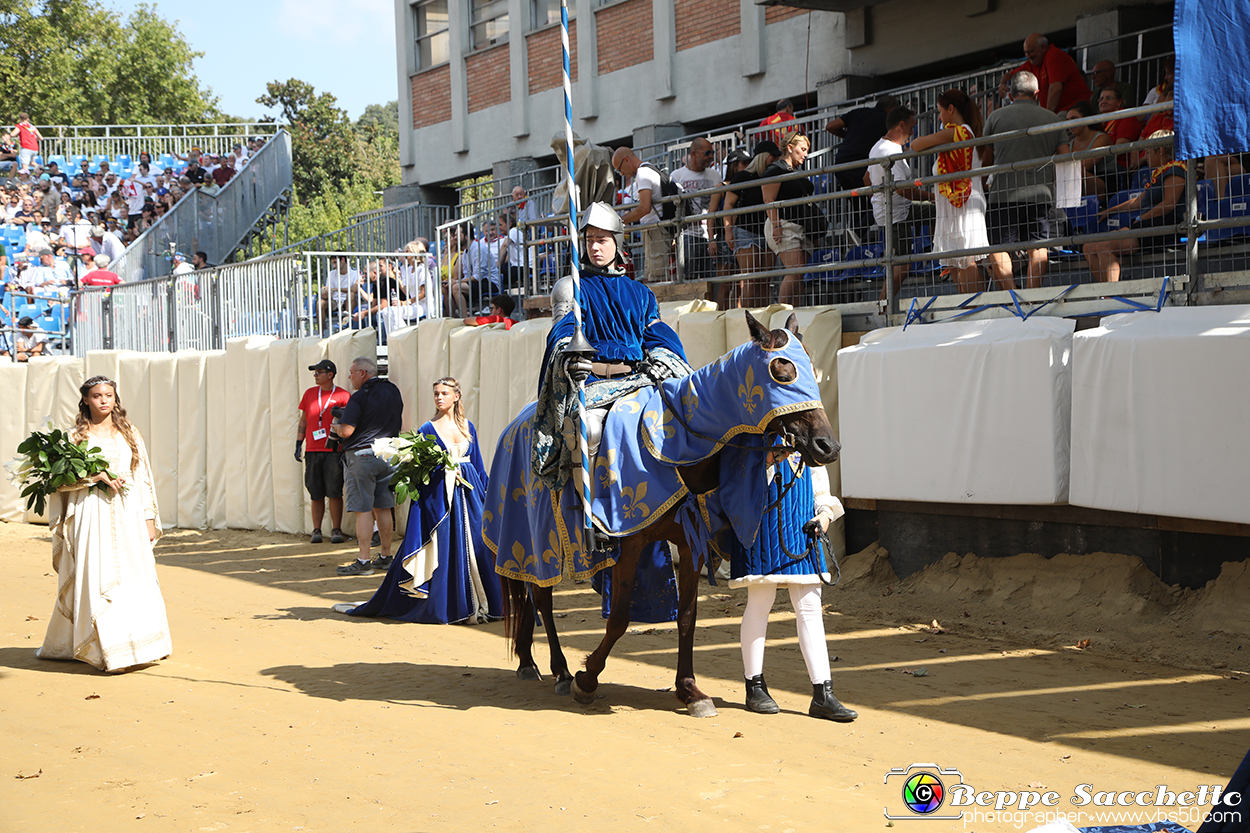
[1212, 110]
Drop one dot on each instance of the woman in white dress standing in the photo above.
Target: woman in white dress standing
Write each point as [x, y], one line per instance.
[109, 610]
[960, 202]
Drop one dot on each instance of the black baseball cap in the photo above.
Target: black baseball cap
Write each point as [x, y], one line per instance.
[324, 364]
[767, 146]
[739, 155]
[25, 321]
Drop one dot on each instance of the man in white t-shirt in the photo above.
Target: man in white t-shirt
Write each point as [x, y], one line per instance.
[899, 124]
[697, 175]
[144, 176]
[657, 241]
[105, 242]
[340, 284]
[134, 194]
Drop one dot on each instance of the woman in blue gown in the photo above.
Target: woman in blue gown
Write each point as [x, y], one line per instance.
[443, 573]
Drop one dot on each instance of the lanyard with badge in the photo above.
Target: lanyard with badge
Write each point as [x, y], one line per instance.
[319, 433]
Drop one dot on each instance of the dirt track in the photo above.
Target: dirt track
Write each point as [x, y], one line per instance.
[277, 714]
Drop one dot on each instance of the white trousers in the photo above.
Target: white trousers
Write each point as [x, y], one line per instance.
[805, 598]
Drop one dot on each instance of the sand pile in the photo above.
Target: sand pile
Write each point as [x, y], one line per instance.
[1112, 600]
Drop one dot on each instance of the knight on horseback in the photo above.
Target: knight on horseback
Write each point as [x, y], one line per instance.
[633, 347]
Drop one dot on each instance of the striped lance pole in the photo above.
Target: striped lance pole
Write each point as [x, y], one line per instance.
[578, 335]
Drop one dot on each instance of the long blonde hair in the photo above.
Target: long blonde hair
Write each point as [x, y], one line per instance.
[118, 414]
[457, 410]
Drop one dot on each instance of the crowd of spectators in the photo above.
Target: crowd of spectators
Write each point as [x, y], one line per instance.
[64, 228]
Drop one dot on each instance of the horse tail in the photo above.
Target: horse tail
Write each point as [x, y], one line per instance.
[515, 598]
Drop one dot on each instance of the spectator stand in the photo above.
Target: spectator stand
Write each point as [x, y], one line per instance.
[113, 142]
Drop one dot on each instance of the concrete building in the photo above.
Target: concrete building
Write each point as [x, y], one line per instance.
[480, 80]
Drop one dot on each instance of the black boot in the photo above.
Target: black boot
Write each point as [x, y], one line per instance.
[758, 699]
[826, 706]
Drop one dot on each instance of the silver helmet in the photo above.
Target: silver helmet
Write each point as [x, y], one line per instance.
[602, 216]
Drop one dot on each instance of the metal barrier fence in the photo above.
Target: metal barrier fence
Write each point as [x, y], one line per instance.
[873, 273]
[193, 311]
[353, 290]
[382, 230]
[113, 140]
[212, 223]
[501, 189]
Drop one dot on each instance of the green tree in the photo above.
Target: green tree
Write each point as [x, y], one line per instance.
[76, 62]
[323, 147]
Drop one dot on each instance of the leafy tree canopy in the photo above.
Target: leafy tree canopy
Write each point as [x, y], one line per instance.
[77, 62]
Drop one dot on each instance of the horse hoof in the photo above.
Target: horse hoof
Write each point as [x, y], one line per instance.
[702, 708]
[564, 688]
[528, 672]
[583, 697]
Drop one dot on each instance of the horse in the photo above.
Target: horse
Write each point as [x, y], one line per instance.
[529, 573]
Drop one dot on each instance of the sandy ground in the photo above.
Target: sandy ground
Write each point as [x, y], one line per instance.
[276, 714]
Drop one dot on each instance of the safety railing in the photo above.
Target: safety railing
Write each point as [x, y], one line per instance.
[212, 223]
[501, 189]
[874, 269]
[193, 311]
[383, 230]
[114, 140]
[381, 290]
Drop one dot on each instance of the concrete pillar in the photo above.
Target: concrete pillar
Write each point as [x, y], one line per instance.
[664, 33]
[405, 44]
[845, 87]
[458, 46]
[751, 40]
[512, 167]
[654, 134]
[586, 88]
[518, 66]
[428, 194]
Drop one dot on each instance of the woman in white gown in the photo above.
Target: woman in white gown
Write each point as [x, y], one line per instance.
[109, 611]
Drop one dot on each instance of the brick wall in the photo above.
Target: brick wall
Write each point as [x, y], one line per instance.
[624, 35]
[488, 77]
[431, 97]
[775, 13]
[546, 58]
[703, 21]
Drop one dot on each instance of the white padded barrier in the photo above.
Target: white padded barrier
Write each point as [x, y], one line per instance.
[960, 412]
[285, 391]
[257, 441]
[219, 439]
[433, 363]
[703, 337]
[401, 364]
[464, 363]
[192, 442]
[162, 434]
[12, 431]
[1159, 406]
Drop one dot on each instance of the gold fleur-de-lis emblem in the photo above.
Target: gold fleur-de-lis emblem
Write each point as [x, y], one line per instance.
[605, 468]
[551, 554]
[520, 558]
[630, 404]
[658, 424]
[634, 504]
[750, 392]
[690, 400]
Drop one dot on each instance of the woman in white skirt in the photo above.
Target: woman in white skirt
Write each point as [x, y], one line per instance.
[960, 202]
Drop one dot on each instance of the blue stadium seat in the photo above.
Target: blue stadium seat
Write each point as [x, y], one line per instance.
[1207, 203]
[58, 159]
[100, 157]
[1084, 218]
[1122, 219]
[923, 242]
[39, 159]
[122, 160]
[826, 257]
[1237, 204]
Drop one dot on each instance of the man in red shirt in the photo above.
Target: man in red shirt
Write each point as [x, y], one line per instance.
[785, 112]
[100, 275]
[323, 466]
[28, 137]
[224, 172]
[1059, 81]
[1121, 131]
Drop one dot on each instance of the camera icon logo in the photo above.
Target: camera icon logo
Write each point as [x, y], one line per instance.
[923, 789]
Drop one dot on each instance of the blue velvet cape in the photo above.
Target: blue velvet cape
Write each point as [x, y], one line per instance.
[448, 597]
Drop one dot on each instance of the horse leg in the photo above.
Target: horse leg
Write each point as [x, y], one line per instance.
[585, 682]
[697, 703]
[543, 599]
[519, 626]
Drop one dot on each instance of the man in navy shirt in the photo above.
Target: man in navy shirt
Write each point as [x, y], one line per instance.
[374, 411]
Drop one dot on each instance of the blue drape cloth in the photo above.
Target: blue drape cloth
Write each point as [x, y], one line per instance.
[653, 597]
[448, 594]
[766, 559]
[1212, 101]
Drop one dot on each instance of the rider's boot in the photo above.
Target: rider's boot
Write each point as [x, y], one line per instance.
[758, 699]
[826, 706]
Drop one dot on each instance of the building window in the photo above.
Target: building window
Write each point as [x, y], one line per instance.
[433, 38]
[545, 12]
[488, 20]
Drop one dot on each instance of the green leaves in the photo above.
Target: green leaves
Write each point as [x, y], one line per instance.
[48, 461]
[417, 458]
